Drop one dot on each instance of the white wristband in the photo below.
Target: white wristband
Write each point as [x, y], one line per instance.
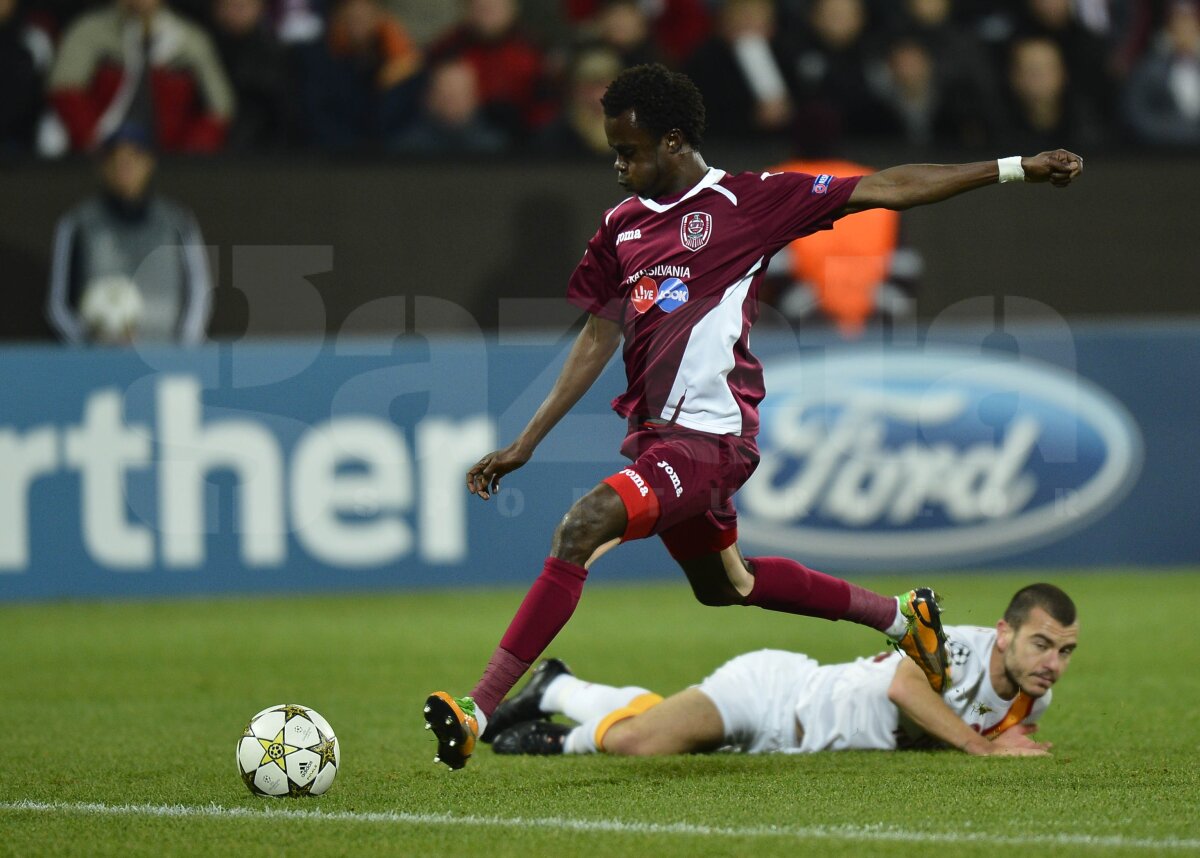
[1011, 169]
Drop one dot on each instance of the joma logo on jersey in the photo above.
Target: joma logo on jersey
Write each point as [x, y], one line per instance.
[629, 235]
[695, 230]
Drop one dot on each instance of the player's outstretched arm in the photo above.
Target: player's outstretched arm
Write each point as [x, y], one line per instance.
[589, 355]
[911, 693]
[909, 185]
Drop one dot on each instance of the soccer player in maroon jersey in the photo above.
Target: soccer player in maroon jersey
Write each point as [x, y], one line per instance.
[674, 270]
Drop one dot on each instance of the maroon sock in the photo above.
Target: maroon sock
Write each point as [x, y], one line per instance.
[502, 672]
[784, 585]
[547, 607]
[871, 609]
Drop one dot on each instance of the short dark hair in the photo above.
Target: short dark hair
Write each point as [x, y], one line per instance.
[1049, 598]
[662, 99]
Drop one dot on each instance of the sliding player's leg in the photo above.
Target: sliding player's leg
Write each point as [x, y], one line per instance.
[626, 721]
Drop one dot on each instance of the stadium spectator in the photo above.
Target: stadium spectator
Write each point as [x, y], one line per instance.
[508, 66]
[298, 23]
[425, 20]
[23, 53]
[137, 61]
[1042, 109]
[832, 60]
[1085, 54]
[742, 73]
[678, 27]
[934, 22]
[129, 265]
[579, 128]
[785, 703]
[1134, 24]
[691, 403]
[924, 108]
[360, 85]
[1162, 96]
[962, 68]
[622, 26]
[545, 23]
[452, 122]
[257, 68]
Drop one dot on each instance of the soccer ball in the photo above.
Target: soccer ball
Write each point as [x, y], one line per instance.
[111, 307]
[288, 750]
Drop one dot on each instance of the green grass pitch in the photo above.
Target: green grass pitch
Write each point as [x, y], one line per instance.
[120, 721]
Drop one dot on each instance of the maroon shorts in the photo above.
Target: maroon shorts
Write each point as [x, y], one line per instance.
[680, 486]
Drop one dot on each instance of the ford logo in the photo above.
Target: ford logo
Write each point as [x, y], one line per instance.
[906, 458]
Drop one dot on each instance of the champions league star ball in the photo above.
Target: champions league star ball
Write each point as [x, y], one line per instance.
[288, 750]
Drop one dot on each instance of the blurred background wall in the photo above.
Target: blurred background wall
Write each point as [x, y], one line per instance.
[1119, 242]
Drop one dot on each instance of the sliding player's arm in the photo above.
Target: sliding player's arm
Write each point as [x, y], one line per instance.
[912, 695]
[589, 355]
[909, 185]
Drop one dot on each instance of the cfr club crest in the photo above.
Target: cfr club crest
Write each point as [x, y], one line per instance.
[695, 230]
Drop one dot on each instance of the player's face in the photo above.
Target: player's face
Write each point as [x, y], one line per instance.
[642, 162]
[1037, 653]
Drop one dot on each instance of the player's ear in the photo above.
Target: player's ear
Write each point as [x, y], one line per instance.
[674, 140]
[1004, 635]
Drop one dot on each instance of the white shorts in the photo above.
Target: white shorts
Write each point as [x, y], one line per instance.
[757, 694]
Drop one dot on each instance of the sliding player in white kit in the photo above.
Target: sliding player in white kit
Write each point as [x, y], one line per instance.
[780, 702]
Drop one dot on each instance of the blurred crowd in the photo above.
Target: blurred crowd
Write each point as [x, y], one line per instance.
[441, 76]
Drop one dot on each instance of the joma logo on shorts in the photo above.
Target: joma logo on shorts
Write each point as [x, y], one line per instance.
[670, 472]
[628, 235]
[637, 481]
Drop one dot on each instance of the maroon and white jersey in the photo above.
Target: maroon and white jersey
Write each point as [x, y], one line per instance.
[681, 276]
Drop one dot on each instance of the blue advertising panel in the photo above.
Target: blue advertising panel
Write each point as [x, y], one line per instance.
[282, 467]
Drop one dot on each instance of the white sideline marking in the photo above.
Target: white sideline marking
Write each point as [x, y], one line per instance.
[874, 833]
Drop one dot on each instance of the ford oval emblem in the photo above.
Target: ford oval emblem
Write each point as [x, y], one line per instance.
[906, 458]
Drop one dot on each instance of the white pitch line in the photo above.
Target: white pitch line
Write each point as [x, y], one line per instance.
[870, 833]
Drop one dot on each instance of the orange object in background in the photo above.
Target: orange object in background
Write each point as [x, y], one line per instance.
[845, 265]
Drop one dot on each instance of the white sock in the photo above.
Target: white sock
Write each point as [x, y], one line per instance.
[899, 625]
[582, 740]
[582, 701]
[560, 688]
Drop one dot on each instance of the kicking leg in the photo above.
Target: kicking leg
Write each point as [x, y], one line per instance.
[725, 577]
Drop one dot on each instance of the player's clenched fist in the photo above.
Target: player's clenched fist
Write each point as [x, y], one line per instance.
[1058, 167]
